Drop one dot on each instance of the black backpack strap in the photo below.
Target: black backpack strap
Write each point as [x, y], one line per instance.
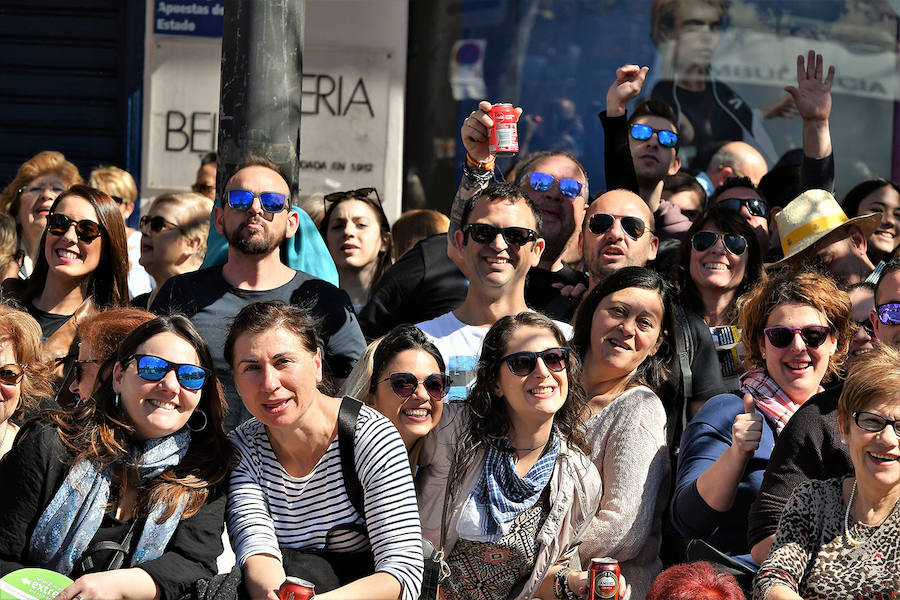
[347, 416]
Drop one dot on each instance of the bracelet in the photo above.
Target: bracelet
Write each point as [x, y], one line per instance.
[560, 585]
[487, 165]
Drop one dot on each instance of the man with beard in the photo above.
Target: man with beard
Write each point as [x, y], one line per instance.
[255, 217]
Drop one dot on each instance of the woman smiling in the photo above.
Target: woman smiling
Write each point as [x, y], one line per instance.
[620, 330]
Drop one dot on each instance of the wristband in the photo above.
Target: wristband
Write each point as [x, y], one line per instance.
[487, 165]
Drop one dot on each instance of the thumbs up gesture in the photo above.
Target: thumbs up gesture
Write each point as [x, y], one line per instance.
[747, 429]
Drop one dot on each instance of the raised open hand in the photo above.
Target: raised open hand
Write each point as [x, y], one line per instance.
[813, 93]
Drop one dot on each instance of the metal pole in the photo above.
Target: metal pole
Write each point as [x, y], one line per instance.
[262, 68]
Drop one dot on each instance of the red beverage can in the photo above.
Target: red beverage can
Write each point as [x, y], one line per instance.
[503, 138]
[604, 579]
[295, 588]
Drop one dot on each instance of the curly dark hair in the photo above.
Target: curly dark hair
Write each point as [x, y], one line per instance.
[488, 414]
[654, 371]
[726, 221]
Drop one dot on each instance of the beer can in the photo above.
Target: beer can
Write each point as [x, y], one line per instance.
[604, 574]
[503, 138]
[295, 588]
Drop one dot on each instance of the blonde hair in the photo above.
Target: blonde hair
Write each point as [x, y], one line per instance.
[42, 163]
[115, 182]
[197, 210]
[416, 225]
[23, 333]
[872, 378]
[358, 381]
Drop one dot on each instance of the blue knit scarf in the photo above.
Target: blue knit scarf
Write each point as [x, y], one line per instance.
[72, 518]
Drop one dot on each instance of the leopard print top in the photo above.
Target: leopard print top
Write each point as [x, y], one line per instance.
[812, 556]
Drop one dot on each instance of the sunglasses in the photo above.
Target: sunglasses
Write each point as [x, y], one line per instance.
[271, 202]
[154, 368]
[755, 206]
[704, 240]
[361, 193]
[666, 138]
[485, 233]
[202, 188]
[404, 385]
[85, 229]
[79, 368]
[889, 314]
[812, 335]
[11, 374]
[865, 324]
[156, 224]
[523, 363]
[600, 223]
[541, 182]
[869, 421]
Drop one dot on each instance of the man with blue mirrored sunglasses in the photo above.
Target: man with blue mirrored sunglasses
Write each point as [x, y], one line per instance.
[254, 216]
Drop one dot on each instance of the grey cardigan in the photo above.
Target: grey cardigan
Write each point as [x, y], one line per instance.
[575, 492]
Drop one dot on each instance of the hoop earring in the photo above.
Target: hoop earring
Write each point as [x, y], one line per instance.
[116, 401]
[205, 421]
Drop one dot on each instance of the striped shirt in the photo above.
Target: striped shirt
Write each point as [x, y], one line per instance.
[268, 508]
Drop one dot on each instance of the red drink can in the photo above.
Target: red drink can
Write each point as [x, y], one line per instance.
[503, 138]
[604, 579]
[295, 588]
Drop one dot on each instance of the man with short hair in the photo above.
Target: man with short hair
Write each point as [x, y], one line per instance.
[740, 195]
[255, 216]
[497, 243]
[733, 159]
[205, 183]
[617, 232]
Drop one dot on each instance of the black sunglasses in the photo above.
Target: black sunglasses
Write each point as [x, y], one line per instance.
[755, 206]
[202, 188]
[523, 363]
[812, 335]
[404, 385]
[79, 368]
[734, 243]
[600, 223]
[361, 193]
[866, 324]
[485, 233]
[85, 229]
[11, 374]
[154, 368]
[869, 421]
[156, 224]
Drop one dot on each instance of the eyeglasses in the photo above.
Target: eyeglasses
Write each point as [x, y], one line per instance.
[889, 314]
[202, 188]
[734, 243]
[33, 190]
[865, 324]
[79, 367]
[523, 363]
[154, 368]
[117, 199]
[404, 385]
[485, 233]
[11, 373]
[755, 206]
[156, 224]
[812, 335]
[600, 223]
[869, 421]
[272, 202]
[642, 133]
[541, 182]
[85, 229]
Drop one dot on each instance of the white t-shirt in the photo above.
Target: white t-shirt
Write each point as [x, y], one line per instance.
[460, 345]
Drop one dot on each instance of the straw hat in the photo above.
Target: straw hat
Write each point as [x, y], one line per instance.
[810, 217]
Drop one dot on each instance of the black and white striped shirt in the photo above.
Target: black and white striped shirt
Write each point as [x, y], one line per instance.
[268, 508]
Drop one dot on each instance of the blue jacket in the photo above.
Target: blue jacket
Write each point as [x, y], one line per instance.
[705, 439]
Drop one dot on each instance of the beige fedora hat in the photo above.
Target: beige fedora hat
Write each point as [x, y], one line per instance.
[810, 217]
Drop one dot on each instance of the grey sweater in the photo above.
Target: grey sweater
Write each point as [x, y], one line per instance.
[628, 446]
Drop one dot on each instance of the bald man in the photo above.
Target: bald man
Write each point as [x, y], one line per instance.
[617, 232]
[734, 159]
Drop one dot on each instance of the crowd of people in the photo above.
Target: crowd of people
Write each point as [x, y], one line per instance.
[684, 373]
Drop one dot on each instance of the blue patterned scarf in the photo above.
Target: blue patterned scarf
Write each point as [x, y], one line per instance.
[501, 495]
[72, 518]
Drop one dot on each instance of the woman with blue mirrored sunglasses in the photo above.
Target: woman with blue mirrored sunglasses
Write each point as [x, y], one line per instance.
[154, 368]
[272, 202]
